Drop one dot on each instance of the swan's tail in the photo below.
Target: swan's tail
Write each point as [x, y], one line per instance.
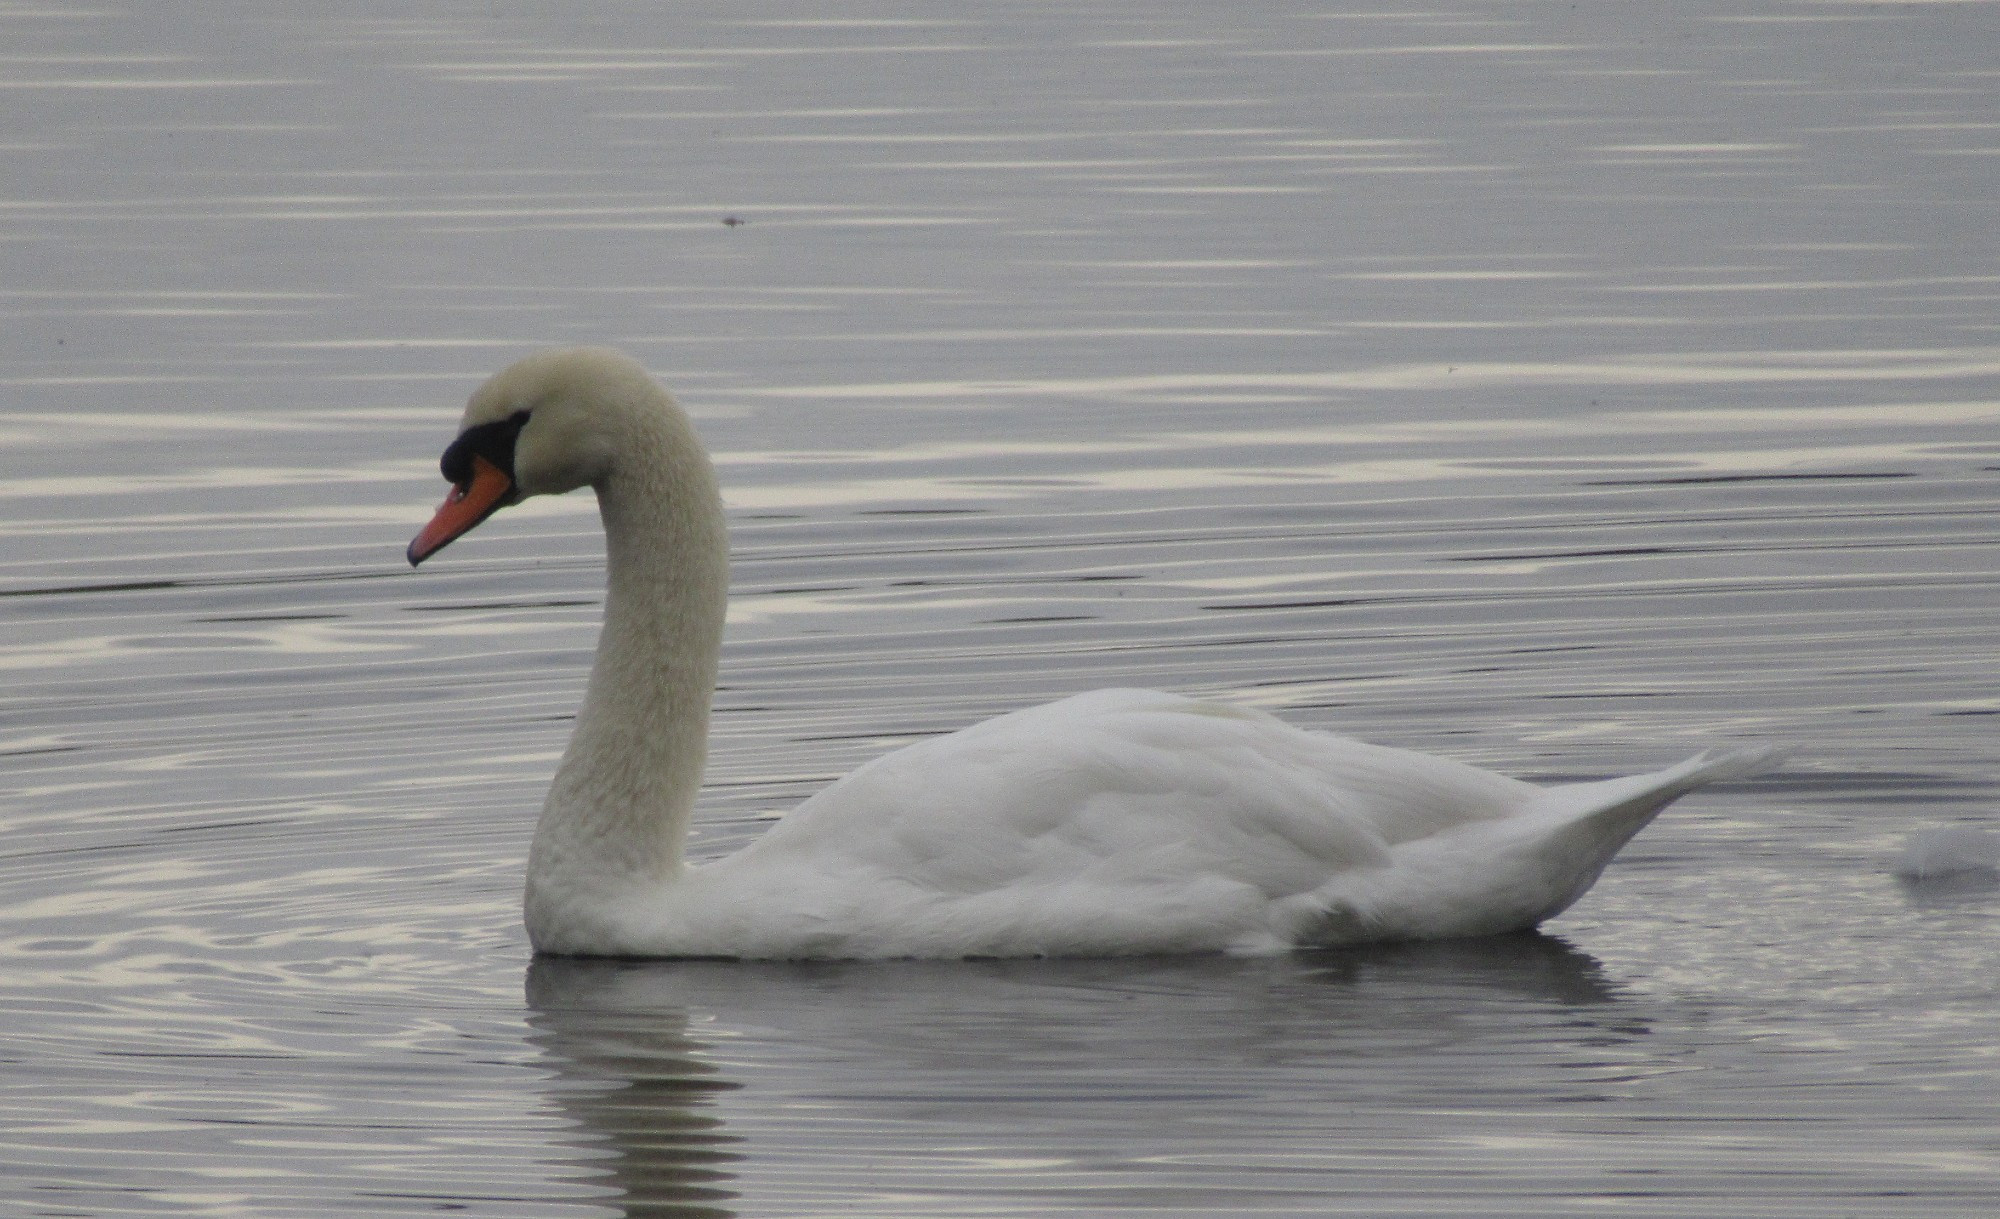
[1578, 827]
[1513, 872]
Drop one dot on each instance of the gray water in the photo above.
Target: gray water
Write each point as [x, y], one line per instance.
[1558, 387]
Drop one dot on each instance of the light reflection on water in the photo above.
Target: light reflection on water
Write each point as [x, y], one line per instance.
[1558, 389]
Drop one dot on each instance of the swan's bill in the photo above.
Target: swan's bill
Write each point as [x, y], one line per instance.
[465, 507]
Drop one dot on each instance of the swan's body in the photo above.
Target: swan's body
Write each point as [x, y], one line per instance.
[1122, 821]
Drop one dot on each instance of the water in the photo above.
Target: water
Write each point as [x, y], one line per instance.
[1561, 388]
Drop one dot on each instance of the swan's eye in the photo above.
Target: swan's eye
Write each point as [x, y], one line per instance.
[493, 441]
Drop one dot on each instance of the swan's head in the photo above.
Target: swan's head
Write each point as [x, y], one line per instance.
[544, 425]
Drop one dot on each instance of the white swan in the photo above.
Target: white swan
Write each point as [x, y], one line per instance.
[1123, 821]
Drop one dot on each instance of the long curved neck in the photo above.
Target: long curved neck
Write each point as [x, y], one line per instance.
[618, 810]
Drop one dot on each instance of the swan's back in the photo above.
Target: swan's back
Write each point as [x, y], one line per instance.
[1099, 780]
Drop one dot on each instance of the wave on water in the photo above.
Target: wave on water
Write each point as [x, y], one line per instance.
[1957, 852]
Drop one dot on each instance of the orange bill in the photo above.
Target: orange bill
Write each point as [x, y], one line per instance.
[465, 507]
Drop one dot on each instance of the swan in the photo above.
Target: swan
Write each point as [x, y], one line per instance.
[1110, 823]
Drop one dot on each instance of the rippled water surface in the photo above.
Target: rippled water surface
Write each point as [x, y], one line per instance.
[1557, 387]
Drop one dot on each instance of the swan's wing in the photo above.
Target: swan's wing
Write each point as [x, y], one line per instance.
[1127, 821]
[1122, 790]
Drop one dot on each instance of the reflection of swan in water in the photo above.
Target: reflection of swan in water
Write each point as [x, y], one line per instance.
[859, 1063]
[1364, 992]
[636, 1085]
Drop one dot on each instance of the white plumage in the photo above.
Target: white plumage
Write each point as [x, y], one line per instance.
[1116, 822]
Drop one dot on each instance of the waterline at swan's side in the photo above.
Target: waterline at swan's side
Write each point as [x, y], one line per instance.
[1122, 821]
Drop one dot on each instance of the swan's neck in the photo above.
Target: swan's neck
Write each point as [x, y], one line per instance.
[617, 812]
